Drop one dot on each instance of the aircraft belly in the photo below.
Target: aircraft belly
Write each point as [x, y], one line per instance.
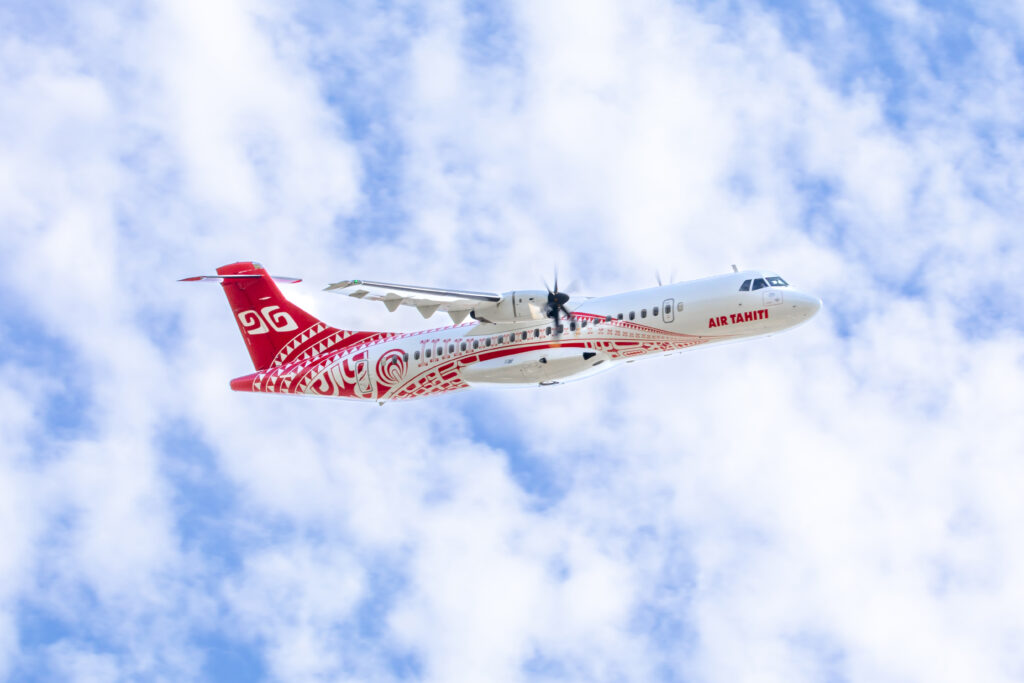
[532, 367]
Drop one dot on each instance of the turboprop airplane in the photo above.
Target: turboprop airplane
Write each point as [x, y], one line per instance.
[515, 338]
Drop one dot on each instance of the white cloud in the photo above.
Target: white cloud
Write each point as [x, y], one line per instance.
[293, 598]
[82, 665]
[818, 502]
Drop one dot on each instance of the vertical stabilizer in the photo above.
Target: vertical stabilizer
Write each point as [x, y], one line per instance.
[270, 324]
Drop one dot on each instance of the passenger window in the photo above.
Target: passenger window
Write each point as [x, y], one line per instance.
[547, 331]
[525, 335]
[654, 311]
[679, 306]
[759, 283]
[462, 346]
[583, 324]
[487, 342]
[428, 353]
[476, 344]
[620, 316]
[451, 348]
[440, 349]
[536, 333]
[745, 287]
[405, 357]
[632, 315]
[643, 312]
[416, 355]
[572, 326]
[607, 318]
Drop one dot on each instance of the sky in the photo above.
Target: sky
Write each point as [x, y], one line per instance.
[841, 502]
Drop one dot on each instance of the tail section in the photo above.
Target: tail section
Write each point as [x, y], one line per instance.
[269, 323]
[275, 330]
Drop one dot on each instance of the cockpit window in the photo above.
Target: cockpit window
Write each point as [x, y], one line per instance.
[759, 283]
[777, 282]
[745, 287]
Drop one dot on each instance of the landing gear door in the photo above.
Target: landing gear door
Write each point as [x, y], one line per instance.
[668, 310]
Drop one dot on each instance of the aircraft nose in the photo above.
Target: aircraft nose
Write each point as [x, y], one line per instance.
[809, 305]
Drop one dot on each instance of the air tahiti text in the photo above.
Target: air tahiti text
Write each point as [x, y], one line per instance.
[732, 318]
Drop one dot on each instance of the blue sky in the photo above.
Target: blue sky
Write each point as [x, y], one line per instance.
[838, 503]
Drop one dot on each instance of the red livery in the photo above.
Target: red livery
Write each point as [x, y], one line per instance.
[516, 338]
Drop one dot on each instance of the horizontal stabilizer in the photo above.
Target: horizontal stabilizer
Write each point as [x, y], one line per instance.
[248, 276]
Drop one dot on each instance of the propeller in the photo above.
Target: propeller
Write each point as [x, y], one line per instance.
[556, 305]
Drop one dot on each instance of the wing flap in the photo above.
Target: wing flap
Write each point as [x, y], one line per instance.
[427, 300]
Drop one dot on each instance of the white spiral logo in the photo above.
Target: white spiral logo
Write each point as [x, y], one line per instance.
[252, 323]
[391, 366]
[278, 319]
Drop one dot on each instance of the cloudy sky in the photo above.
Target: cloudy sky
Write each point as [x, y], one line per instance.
[839, 503]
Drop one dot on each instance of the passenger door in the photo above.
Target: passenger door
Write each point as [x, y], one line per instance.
[668, 308]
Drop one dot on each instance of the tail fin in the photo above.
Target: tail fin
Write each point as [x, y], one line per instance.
[274, 329]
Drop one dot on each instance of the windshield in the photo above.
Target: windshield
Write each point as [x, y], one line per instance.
[777, 282]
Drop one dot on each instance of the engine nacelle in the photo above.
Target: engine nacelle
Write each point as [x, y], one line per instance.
[513, 307]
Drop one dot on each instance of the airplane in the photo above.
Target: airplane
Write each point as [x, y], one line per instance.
[516, 338]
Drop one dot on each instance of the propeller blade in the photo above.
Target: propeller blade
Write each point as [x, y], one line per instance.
[657, 276]
[556, 306]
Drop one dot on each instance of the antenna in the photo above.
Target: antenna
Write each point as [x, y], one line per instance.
[735, 269]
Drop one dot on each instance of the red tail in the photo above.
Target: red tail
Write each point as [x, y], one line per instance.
[276, 331]
[273, 328]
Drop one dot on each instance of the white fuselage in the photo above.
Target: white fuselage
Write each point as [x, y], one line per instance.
[607, 330]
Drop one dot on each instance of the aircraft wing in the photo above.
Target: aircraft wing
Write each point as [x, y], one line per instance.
[427, 300]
